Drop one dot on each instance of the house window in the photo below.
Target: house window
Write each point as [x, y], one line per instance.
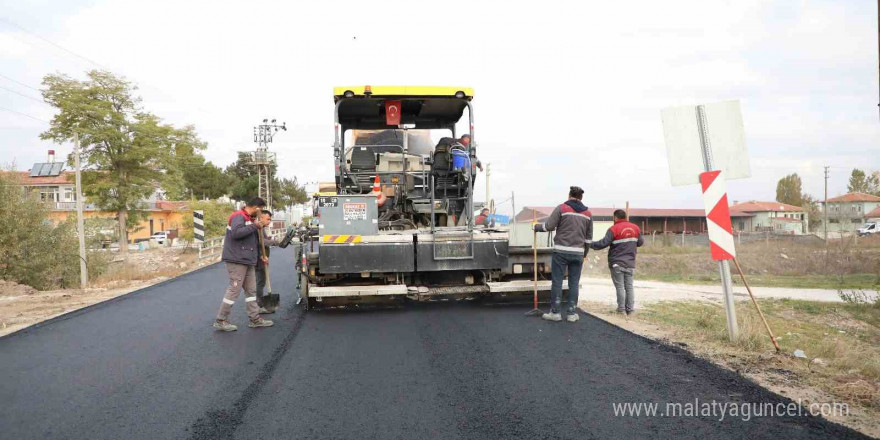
[832, 220]
[49, 194]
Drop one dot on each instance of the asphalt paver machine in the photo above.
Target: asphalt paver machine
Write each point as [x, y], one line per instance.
[400, 224]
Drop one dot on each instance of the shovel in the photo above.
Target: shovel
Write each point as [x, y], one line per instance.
[535, 311]
[270, 301]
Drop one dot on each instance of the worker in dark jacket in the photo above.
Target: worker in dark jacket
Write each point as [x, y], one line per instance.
[573, 224]
[624, 238]
[240, 253]
[261, 263]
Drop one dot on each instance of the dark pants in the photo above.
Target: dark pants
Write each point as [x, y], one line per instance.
[573, 263]
[261, 283]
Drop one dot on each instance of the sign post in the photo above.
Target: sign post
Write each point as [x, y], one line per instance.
[697, 154]
[198, 226]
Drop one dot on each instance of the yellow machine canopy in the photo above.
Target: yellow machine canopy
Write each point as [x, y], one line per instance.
[388, 107]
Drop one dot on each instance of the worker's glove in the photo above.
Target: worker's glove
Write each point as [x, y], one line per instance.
[538, 227]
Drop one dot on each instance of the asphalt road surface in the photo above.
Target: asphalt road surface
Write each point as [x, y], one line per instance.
[149, 366]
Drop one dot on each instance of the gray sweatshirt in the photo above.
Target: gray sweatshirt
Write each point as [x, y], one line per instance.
[573, 224]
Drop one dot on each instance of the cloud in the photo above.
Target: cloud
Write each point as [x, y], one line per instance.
[567, 92]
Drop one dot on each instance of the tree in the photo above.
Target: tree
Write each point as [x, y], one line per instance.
[789, 190]
[861, 182]
[33, 251]
[190, 175]
[289, 193]
[244, 182]
[126, 151]
[814, 214]
[216, 215]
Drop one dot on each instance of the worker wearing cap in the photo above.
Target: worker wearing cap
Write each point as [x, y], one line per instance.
[240, 253]
[624, 238]
[465, 141]
[573, 224]
[262, 263]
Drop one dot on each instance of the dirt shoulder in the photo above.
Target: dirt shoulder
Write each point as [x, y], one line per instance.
[841, 341]
[22, 306]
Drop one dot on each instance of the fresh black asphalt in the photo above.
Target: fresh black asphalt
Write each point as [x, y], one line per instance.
[148, 366]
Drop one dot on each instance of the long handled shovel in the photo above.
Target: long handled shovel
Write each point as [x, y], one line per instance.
[535, 311]
[270, 301]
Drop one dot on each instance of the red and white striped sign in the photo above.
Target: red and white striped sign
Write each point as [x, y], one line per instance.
[717, 215]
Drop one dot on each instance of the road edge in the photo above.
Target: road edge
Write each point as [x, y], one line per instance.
[90, 307]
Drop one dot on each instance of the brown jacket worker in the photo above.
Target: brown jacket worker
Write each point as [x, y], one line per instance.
[240, 253]
[573, 224]
[261, 264]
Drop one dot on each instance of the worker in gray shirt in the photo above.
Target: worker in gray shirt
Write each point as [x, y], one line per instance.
[573, 224]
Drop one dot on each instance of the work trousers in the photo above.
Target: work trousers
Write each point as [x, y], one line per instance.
[623, 282]
[261, 283]
[573, 263]
[240, 276]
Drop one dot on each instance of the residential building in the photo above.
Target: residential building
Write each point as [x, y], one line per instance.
[848, 212]
[55, 186]
[660, 221]
[774, 217]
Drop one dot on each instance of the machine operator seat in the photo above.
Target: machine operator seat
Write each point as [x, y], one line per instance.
[363, 160]
[445, 178]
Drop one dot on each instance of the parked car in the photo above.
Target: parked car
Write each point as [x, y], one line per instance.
[869, 228]
[161, 237]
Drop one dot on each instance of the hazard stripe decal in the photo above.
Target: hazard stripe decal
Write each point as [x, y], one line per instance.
[341, 239]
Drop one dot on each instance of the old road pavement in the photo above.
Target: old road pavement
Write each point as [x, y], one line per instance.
[149, 366]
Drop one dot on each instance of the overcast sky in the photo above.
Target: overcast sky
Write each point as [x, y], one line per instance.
[565, 92]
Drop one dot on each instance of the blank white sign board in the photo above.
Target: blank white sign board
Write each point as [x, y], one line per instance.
[726, 137]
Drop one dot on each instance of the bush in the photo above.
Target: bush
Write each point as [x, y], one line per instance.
[33, 251]
[216, 215]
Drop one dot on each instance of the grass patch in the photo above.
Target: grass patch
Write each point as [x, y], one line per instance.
[852, 281]
[844, 337]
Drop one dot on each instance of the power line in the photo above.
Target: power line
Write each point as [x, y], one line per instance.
[23, 95]
[33, 34]
[24, 114]
[13, 24]
[19, 82]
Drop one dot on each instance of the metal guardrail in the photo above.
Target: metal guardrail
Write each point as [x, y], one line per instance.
[211, 248]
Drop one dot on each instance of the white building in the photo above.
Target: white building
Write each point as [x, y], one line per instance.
[848, 212]
[770, 216]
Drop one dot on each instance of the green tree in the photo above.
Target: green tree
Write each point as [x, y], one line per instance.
[125, 150]
[216, 215]
[789, 190]
[861, 182]
[289, 192]
[33, 251]
[814, 214]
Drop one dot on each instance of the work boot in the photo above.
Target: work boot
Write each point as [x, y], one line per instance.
[264, 311]
[573, 317]
[555, 317]
[260, 322]
[620, 311]
[630, 312]
[224, 326]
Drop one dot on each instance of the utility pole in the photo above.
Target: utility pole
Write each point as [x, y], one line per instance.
[825, 209]
[263, 159]
[488, 173]
[80, 223]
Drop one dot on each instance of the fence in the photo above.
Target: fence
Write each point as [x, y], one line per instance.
[660, 239]
[210, 248]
